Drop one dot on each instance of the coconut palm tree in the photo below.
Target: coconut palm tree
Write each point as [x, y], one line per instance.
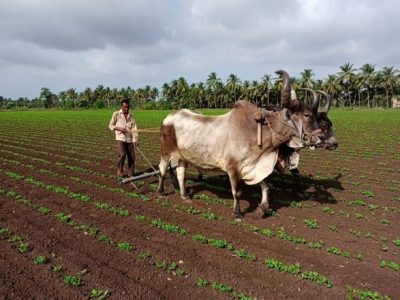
[346, 76]
[389, 77]
[367, 75]
[212, 85]
[332, 86]
[306, 81]
[233, 86]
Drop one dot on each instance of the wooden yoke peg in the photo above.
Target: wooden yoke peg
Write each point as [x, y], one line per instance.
[258, 115]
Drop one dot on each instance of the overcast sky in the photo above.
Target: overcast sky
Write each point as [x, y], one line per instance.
[62, 44]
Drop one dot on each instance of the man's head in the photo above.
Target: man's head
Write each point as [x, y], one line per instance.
[125, 106]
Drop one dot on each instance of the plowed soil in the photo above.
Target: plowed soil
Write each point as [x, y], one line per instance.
[346, 231]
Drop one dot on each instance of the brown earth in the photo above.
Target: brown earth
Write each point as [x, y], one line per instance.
[363, 234]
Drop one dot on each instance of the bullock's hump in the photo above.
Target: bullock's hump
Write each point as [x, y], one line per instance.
[244, 105]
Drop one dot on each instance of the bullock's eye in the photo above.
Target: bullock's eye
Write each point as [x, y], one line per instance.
[307, 115]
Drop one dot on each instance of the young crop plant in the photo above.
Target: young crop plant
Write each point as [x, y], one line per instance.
[267, 232]
[295, 269]
[43, 210]
[99, 294]
[328, 210]
[202, 282]
[333, 227]
[167, 227]
[140, 218]
[390, 264]
[368, 194]
[4, 231]
[125, 246]
[311, 223]
[209, 216]
[317, 278]
[220, 244]
[221, 287]
[283, 235]
[162, 264]
[334, 250]
[397, 242]
[23, 247]
[357, 203]
[40, 260]
[353, 293]
[314, 245]
[56, 268]
[144, 255]
[106, 239]
[72, 280]
[243, 253]
[200, 238]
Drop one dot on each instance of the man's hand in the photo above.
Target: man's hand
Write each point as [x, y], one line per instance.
[136, 144]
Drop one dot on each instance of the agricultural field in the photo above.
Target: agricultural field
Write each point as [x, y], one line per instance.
[70, 230]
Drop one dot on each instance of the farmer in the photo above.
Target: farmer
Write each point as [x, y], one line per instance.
[124, 125]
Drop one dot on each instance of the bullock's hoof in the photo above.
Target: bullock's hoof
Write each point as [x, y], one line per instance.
[262, 210]
[238, 219]
[161, 191]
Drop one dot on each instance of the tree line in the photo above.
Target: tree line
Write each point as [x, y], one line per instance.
[350, 87]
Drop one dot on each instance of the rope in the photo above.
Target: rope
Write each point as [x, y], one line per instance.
[138, 149]
[151, 130]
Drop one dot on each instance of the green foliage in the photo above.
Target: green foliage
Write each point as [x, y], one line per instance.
[40, 260]
[168, 227]
[72, 280]
[390, 264]
[311, 223]
[357, 203]
[316, 277]
[4, 231]
[243, 253]
[105, 238]
[144, 255]
[99, 294]
[267, 232]
[125, 246]
[202, 282]
[140, 218]
[368, 193]
[353, 293]
[43, 210]
[56, 268]
[23, 247]
[161, 264]
[221, 287]
[281, 267]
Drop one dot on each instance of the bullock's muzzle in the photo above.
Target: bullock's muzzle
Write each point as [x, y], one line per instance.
[331, 144]
[313, 139]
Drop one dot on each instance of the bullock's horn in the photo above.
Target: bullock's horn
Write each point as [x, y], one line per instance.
[328, 103]
[315, 103]
[286, 88]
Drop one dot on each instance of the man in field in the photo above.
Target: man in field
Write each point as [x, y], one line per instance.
[126, 135]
